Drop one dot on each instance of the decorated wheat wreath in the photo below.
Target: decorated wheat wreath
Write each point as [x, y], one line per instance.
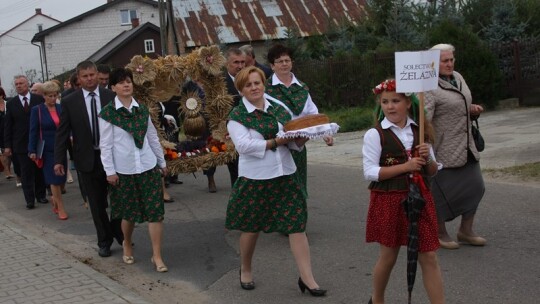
[160, 79]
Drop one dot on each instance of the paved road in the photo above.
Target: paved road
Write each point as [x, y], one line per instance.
[202, 255]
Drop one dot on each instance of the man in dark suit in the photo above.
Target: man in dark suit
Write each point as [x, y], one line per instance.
[16, 128]
[76, 120]
[236, 61]
[252, 61]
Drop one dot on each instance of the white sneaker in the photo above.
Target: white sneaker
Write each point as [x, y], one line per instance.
[19, 185]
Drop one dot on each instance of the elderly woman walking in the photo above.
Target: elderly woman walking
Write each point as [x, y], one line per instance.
[459, 186]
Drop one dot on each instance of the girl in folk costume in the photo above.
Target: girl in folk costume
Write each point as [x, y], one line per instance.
[134, 163]
[294, 96]
[266, 197]
[389, 159]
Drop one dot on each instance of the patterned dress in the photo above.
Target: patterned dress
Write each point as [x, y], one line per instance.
[138, 197]
[295, 98]
[387, 222]
[272, 205]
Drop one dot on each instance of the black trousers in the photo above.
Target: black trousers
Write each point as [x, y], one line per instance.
[32, 180]
[95, 184]
[16, 167]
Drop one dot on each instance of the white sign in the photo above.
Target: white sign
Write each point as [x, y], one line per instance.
[417, 71]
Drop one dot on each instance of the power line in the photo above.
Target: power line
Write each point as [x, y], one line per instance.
[18, 7]
[17, 38]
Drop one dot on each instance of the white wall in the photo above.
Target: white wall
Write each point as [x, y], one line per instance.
[18, 55]
[69, 45]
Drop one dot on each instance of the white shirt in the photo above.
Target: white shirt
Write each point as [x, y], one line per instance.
[119, 153]
[88, 103]
[309, 108]
[255, 161]
[372, 149]
[21, 97]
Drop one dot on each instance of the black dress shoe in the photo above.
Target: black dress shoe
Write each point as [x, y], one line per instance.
[29, 206]
[42, 200]
[170, 200]
[248, 285]
[104, 252]
[176, 181]
[316, 292]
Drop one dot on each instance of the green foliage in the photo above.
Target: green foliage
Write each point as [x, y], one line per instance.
[477, 13]
[352, 119]
[528, 11]
[343, 65]
[504, 24]
[474, 60]
[401, 27]
[377, 11]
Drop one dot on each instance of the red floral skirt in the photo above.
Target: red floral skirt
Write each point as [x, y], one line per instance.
[387, 223]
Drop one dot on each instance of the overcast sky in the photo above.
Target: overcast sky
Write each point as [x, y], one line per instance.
[13, 12]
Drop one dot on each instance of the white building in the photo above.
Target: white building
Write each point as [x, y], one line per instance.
[18, 55]
[75, 40]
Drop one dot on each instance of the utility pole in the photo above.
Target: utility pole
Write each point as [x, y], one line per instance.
[163, 27]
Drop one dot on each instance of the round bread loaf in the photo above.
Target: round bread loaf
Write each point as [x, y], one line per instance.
[306, 122]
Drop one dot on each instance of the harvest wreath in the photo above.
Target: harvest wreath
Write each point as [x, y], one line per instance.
[160, 79]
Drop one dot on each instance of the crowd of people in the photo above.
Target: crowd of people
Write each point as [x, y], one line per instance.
[98, 124]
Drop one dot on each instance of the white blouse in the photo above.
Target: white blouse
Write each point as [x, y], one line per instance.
[309, 107]
[255, 161]
[372, 149]
[119, 153]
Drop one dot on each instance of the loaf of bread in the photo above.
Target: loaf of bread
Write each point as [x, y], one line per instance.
[306, 122]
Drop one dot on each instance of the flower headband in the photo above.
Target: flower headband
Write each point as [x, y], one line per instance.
[388, 85]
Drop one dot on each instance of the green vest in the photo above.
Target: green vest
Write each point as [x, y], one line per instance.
[294, 97]
[266, 123]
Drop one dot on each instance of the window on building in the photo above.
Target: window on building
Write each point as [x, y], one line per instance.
[149, 46]
[127, 15]
[40, 27]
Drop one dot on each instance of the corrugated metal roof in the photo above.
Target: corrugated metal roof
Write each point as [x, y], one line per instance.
[207, 22]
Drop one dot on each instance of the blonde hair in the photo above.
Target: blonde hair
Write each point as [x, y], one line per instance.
[242, 77]
[50, 87]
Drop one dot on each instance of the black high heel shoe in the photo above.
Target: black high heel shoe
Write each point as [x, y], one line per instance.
[248, 285]
[316, 292]
[370, 301]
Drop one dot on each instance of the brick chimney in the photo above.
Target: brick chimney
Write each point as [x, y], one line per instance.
[134, 22]
[38, 11]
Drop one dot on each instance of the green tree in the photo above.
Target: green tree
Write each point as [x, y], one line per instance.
[528, 11]
[474, 60]
[377, 11]
[400, 26]
[504, 24]
[477, 13]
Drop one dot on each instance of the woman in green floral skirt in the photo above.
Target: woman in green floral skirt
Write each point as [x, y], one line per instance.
[294, 95]
[266, 196]
[134, 163]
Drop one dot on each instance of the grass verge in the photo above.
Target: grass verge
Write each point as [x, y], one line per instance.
[527, 172]
[351, 119]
